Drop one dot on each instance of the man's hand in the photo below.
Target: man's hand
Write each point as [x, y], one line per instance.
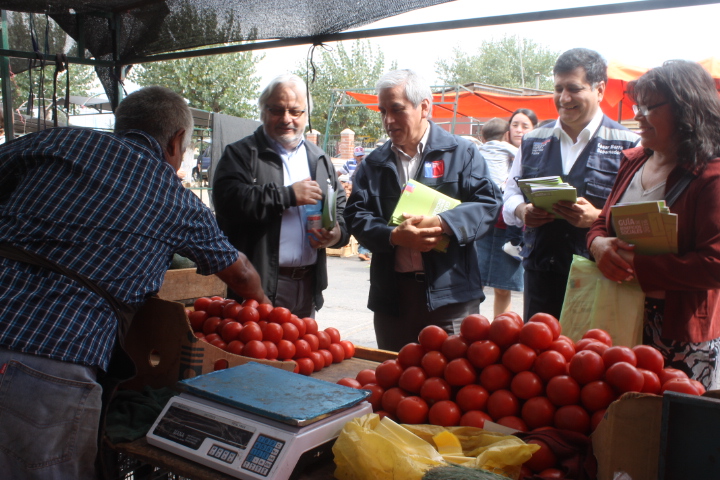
[243, 279]
[533, 216]
[581, 214]
[417, 232]
[614, 258]
[321, 238]
[307, 192]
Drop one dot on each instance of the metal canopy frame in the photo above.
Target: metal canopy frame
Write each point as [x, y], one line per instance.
[120, 65]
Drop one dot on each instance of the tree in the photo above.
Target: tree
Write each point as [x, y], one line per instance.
[218, 83]
[337, 71]
[508, 62]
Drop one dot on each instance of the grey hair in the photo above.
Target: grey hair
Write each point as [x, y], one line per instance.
[285, 79]
[416, 88]
[157, 111]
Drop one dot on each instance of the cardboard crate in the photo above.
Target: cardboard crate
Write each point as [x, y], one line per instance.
[184, 285]
[165, 349]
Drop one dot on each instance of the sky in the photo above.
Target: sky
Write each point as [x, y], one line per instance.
[643, 39]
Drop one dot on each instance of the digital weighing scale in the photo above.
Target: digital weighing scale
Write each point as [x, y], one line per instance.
[255, 421]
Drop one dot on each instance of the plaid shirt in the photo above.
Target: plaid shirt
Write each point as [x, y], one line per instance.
[107, 207]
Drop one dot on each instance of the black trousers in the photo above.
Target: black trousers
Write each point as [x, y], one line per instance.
[393, 333]
[544, 292]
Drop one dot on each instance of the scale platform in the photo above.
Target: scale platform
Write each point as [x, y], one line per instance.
[256, 421]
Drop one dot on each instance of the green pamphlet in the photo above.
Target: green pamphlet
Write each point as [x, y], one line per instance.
[544, 192]
[329, 212]
[648, 225]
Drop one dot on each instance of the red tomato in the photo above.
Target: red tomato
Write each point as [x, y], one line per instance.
[549, 364]
[250, 302]
[413, 410]
[600, 335]
[376, 394]
[412, 379]
[572, 417]
[367, 376]
[338, 352]
[272, 332]
[668, 373]
[311, 339]
[651, 382]
[279, 315]
[444, 413]
[302, 349]
[199, 335]
[586, 366]
[432, 337]
[536, 335]
[595, 419]
[649, 358]
[566, 339]
[475, 327]
[591, 344]
[563, 390]
[471, 397]
[334, 334]
[519, 357]
[299, 324]
[434, 389]
[518, 319]
[483, 353]
[474, 418]
[272, 350]
[460, 372]
[231, 310]
[323, 339]
[250, 331]
[549, 473]
[349, 382]
[538, 412]
[542, 459]
[290, 331]
[310, 325]
[306, 365]
[566, 348]
[221, 364]
[434, 363]
[215, 308]
[503, 403]
[215, 297]
[264, 310]
[682, 385]
[526, 385]
[236, 347]
[197, 318]
[201, 304]
[391, 398]
[255, 349]
[210, 325]
[597, 395]
[211, 337]
[495, 377]
[222, 324]
[551, 322]
[504, 331]
[698, 386]
[231, 331]
[388, 373]
[624, 377]
[318, 360]
[348, 348]
[327, 357]
[619, 354]
[511, 421]
[411, 355]
[219, 344]
[454, 347]
[286, 349]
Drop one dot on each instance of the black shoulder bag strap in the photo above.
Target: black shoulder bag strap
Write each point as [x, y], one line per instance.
[672, 195]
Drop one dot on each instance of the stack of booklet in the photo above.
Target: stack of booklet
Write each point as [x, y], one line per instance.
[648, 225]
[544, 192]
[419, 199]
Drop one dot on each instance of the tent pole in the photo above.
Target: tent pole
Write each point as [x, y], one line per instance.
[620, 111]
[5, 74]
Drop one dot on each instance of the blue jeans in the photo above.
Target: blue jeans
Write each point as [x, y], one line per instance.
[49, 418]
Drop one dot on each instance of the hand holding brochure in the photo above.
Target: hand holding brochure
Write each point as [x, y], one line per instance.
[419, 199]
[329, 212]
[648, 225]
[544, 192]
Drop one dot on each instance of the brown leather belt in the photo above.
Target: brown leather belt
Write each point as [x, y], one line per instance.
[417, 276]
[296, 273]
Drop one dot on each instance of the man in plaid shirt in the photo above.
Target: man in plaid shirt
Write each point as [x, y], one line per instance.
[110, 209]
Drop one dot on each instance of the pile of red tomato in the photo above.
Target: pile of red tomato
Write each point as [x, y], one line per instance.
[266, 332]
[523, 376]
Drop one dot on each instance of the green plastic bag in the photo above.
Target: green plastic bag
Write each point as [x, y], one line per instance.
[593, 301]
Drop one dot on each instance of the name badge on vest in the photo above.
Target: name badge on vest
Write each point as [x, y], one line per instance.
[434, 169]
[538, 147]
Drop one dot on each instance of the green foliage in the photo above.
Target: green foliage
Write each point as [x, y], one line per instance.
[508, 62]
[218, 83]
[340, 70]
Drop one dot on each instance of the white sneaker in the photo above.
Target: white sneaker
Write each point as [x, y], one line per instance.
[513, 251]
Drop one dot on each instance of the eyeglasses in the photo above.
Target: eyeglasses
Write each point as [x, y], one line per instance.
[280, 111]
[644, 110]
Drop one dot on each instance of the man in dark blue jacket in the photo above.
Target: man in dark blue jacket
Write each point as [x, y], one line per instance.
[411, 284]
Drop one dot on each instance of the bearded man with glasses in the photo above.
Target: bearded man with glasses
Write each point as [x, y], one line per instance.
[262, 188]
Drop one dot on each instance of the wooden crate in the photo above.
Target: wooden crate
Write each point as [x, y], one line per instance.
[349, 250]
[184, 285]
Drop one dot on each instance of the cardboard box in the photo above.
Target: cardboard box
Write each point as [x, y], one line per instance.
[184, 285]
[348, 250]
[165, 349]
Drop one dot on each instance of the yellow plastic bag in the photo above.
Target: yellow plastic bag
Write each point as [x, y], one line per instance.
[370, 448]
[593, 301]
